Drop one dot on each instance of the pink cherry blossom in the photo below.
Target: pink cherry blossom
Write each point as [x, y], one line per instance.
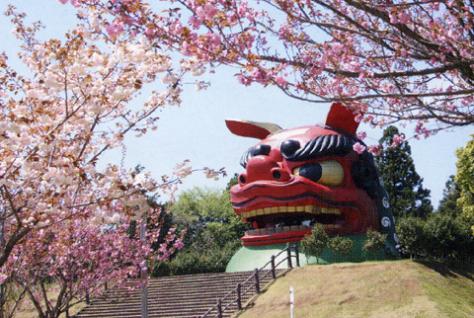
[3, 278]
[64, 217]
[178, 244]
[376, 150]
[280, 81]
[206, 12]
[244, 79]
[359, 148]
[361, 135]
[397, 140]
[282, 46]
[114, 29]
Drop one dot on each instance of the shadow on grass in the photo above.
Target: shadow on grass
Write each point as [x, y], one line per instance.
[450, 270]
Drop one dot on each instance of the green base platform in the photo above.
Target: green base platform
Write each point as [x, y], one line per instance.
[251, 257]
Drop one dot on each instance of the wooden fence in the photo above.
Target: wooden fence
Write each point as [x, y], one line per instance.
[253, 284]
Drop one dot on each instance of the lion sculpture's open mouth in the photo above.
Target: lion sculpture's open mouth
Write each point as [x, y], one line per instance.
[291, 221]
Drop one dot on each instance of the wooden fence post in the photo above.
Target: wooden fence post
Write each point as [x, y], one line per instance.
[273, 267]
[288, 257]
[297, 252]
[257, 282]
[219, 308]
[239, 296]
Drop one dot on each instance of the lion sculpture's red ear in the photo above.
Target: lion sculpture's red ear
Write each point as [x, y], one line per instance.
[342, 118]
[252, 129]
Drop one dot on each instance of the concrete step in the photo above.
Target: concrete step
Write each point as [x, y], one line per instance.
[183, 296]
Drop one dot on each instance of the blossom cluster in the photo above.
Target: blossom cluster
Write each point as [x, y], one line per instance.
[64, 217]
[390, 61]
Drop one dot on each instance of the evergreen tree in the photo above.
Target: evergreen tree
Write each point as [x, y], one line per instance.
[405, 188]
[465, 180]
[448, 204]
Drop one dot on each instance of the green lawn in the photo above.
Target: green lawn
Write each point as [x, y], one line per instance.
[390, 289]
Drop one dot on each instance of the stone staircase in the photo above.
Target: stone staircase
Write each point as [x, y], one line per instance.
[182, 296]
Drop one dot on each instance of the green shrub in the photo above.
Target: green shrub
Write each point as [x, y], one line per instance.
[375, 241]
[315, 243]
[410, 231]
[341, 245]
[448, 238]
[441, 237]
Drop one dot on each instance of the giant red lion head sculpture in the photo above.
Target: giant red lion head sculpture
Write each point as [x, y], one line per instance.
[294, 178]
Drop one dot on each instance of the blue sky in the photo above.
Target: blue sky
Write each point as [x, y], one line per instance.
[196, 129]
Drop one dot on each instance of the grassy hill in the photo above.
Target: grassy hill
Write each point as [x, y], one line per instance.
[391, 289]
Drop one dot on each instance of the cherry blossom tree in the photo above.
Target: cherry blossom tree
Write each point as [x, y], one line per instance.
[62, 216]
[390, 60]
[59, 267]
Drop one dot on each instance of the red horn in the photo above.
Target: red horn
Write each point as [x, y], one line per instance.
[342, 118]
[251, 129]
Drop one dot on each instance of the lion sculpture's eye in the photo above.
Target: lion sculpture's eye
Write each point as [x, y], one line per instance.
[328, 173]
[260, 150]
